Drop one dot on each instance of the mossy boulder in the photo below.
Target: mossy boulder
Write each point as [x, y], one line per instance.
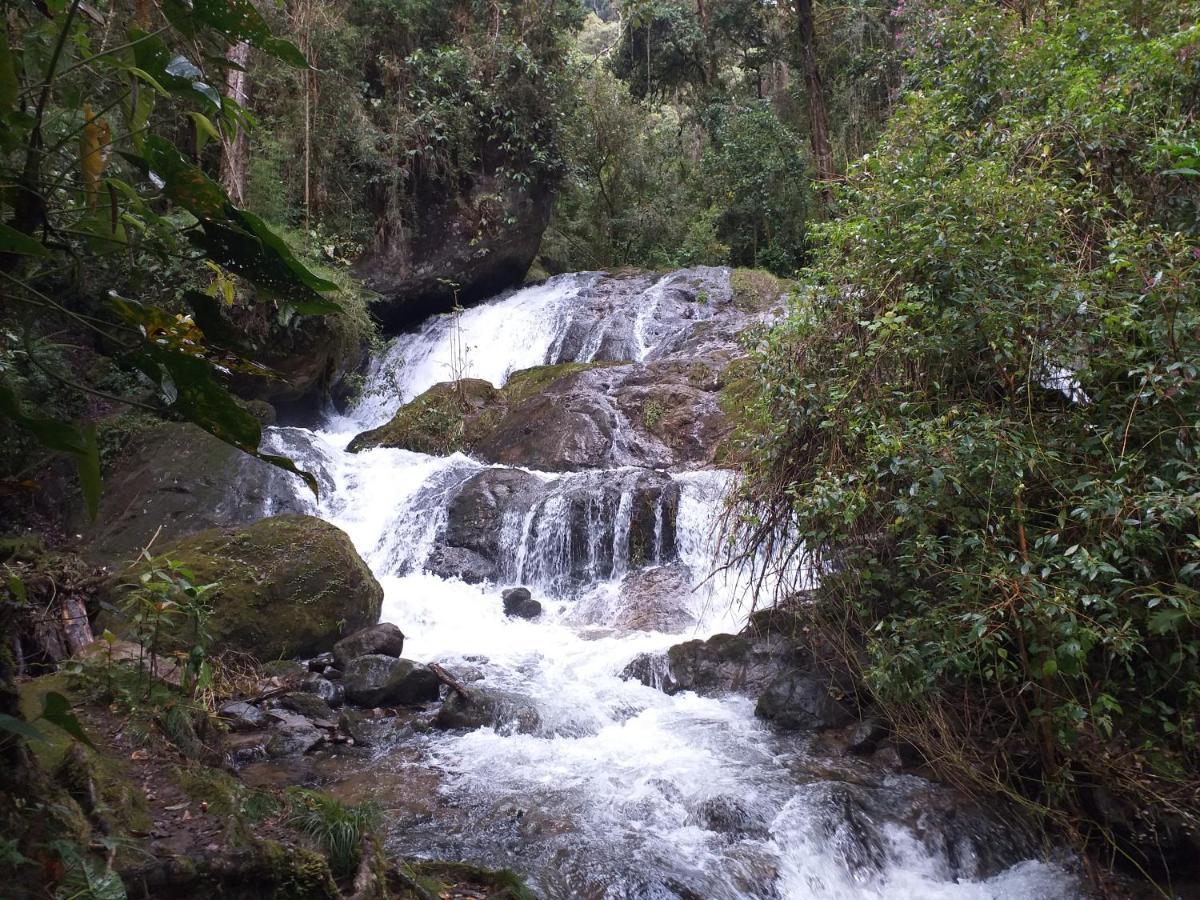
[755, 290]
[288, 585]
[459, 415]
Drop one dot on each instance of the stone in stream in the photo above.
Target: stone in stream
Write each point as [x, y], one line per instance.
[308, 705]
[801, 701]
[378, 680]
[385, 639]
[506, 712]
[519, 603]
[459, 562]
[242, 716]
[291, 734]
[328, 691]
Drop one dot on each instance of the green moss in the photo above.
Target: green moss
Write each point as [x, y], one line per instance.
[438, 878]
[288, 585]
[755, 290]
[456, 415]
[295, 873]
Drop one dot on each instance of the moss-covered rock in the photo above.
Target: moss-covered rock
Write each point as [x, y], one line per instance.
[288, 585]
[755, 290]
[459, 415]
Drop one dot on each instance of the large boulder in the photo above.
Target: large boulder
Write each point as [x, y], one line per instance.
[461, 563]
[173, 479]
[384, 638]
[570, 417]
[444, 256]
[286, 586]
[729, 662]
[519, 603]
[378, 680]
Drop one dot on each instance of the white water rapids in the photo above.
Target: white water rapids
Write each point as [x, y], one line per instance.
[623, 791]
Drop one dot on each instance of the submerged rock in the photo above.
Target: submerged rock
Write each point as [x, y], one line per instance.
[519, 603]
[385, 639]
[378, 680]
[286, 586]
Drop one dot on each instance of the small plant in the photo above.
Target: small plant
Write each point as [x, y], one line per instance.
[336, 828]
[652, 414]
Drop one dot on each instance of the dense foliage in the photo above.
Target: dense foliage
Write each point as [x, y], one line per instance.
[981, 427]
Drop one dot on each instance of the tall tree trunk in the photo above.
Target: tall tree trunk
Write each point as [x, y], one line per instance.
[235, 147]
[818, 116]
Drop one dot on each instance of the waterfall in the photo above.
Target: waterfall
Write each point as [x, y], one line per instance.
[619, 790]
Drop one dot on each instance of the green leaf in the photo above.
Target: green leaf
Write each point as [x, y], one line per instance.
[20, 727]
[205, 130]
[233, 21]
[56, 709]
[88, 465]
[13, 241]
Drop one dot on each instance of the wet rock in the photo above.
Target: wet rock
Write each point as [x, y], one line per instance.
[506, 712]
[652, 670]
[292, 734]
[377, 680]
[655, 599]
[287, 586]
[867, 736]
[173, 479]
[519, 603]
[240, 716]
[328, 691]
[321, 662]
[357, 726]
[476, 516]
[245, 747]
[729, 662]
[308, 705]
[801, 701]
[384, 639]
[459, 562]
[729, 815]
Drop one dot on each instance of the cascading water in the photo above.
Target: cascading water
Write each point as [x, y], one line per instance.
[611, 788]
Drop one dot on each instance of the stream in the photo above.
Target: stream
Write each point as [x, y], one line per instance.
[598, 786]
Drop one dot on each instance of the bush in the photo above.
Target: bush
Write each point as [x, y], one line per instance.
[980, 429]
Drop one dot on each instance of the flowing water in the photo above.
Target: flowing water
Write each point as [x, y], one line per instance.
[616, 789]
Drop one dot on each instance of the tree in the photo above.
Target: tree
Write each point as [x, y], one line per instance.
[818, 116]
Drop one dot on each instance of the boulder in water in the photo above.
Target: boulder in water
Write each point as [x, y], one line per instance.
[796, 700]
[652, 670]
[729, 662]
[241, 716]
[459, 562]
[329, 691]
[308, 705]
[378, 680]
[286, 586]
[519, 603]
[385, 639]
[507, 713]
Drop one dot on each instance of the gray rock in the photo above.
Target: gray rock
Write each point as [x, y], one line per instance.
[330, 692]
[357, 726]
[801, 701]
[729, 815]
[293, 739]
[652, 670]
[867, 736]
[241, 716]
[377, 680]
[384, 639]
[507, 713]
[308, 705]
[459, 562]
[729, 662]
[476, 516]
[321, 662]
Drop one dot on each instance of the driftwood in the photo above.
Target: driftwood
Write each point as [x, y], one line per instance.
[449, 680]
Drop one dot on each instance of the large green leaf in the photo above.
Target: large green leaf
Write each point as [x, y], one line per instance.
[56, 709]
[14, 241]
[170, 72]
[63, 437]
[233, 21]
